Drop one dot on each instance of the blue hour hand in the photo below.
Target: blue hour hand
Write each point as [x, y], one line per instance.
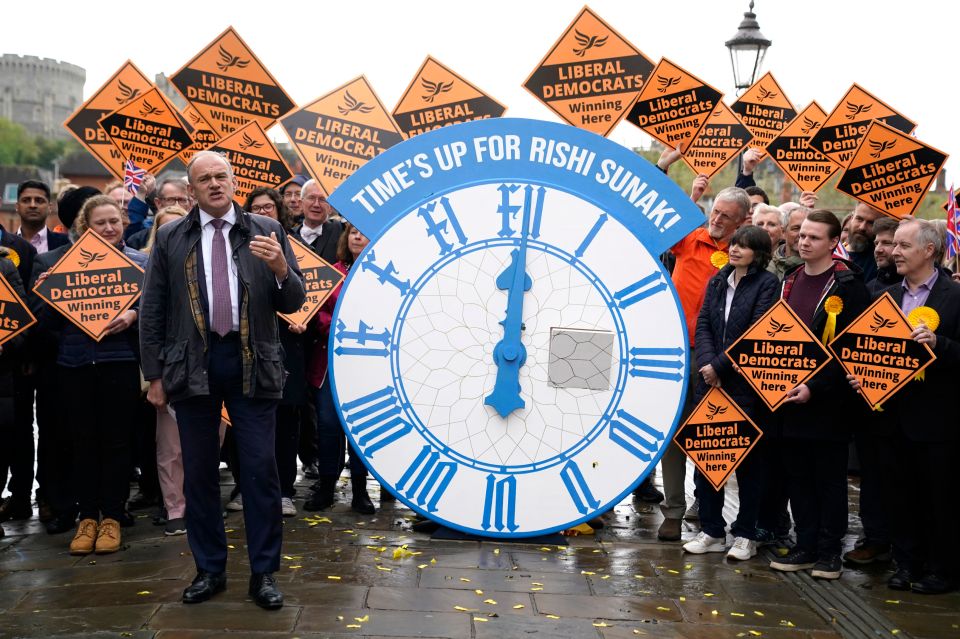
[510, 354]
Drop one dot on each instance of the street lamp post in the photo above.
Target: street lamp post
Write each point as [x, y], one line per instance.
[747, 50]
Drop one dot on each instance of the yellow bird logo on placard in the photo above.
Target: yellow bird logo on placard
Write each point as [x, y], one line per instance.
[127, 93]
[434, 88]
[351, 104]
[228, 60]
[715, 410]
[587, 42]
[856, 109]
[776, 328]
[90, 257]
[666, 83]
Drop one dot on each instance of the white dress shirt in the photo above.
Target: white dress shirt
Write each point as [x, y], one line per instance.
[206, 240]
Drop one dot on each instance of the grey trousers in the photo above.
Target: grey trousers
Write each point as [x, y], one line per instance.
[673, 464]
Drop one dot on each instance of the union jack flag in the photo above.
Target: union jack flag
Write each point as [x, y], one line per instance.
[953, 226]
[841, 251]
[132, 177]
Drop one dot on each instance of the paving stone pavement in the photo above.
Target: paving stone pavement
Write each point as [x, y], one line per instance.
[349, 575]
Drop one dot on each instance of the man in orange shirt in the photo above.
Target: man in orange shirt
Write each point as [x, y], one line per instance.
[698, 257]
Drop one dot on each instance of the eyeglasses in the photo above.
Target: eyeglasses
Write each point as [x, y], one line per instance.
[269, 207]
[182, 201]
[313, 199]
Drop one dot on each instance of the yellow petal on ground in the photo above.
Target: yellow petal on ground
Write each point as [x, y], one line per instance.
[294, 567]
[481, 619]
[288, 557]
[601, 624]
[755, 633]
[587, 572]
[478, 591]
[339, 617]
[736, 570]
[384, 568]
[673, 572]
[496, 551]
[688, 567]
[714, 612]
[708, 594]
[490, 601]
[464, 580]
[422, 566]
[354, 625]
[638, 632]
[347, 531]
[433, 561]
[334, 577]
[535, 583]
[462, 609]
[231, 546]
[518, 606]
[737, 614]
[144, 592]
[893, 601]
[639, 576]
[895, 631]
[536, 589]
[787, 623]
[683, 598]
[362, 619]
[664, 609]
[605, 577]
[545, 549]
[552, 617]
[229, 530]
[758, 613]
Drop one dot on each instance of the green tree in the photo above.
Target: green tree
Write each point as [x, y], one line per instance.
[16, 145]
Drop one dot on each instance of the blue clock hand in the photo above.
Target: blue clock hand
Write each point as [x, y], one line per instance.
[510, 354]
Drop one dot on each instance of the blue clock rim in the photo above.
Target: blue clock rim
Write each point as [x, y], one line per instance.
[617, 393]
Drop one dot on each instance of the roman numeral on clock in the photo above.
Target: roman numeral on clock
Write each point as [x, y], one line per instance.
[376, 420]
[576, 485]
[532, 202]
[380, 342]
[426, 479]
[438, 229]
[385, 274]
[635, 436]
[640, 290]
[500, 503]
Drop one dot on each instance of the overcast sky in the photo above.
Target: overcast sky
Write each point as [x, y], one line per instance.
[905, 53]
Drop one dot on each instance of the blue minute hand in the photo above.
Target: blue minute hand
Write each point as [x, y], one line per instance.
[509, 354]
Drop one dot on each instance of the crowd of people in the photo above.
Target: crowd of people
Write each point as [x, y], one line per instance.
[205, 336]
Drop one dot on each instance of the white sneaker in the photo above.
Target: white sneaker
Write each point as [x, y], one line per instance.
[704, 543]
[235, 504]
[287, 507]
[742, 549]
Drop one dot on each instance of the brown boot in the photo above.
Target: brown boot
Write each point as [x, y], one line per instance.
[108, 537]
[82, 543]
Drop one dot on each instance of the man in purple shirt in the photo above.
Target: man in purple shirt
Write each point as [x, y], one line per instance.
[926, 438]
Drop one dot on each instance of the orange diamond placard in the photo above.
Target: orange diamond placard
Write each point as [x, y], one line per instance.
[320, 279]
[891, 170]
[777, 354]
[765, 109]
[124, 86]
[674, 105]
[91, 284]
[15, 315]
[717, 437]
[877, 349]
[791, 151]
[437, 97]
[229, 86]
[337, 133]
[591, 76]
[719, 141]
[840, 134]
[203, 134]
[147, 130]
[255, 160]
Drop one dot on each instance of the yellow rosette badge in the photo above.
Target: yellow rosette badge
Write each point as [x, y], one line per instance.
[13, 256]
[923, 315]
[833, 307]
[719, 259]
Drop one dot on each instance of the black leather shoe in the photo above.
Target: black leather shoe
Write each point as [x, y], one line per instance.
[61, 524]
[647, 492]
[361, 499]
[204, 586]
[14, 510]
[932, 584]
[901, 580]
[322, 497]
[310, 471]
[141, 501]
[263, 589]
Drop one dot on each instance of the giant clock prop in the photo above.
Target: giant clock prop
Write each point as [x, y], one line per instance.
[508, 354]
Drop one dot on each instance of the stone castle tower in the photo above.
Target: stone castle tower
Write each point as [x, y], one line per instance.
[39, 93]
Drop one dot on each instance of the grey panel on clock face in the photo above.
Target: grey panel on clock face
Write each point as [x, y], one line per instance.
[580, 358]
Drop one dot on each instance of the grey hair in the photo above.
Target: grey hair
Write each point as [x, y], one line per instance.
[736, 195]
[787, 209]
[766, 208]
[303, 189]
[179, 182]
[928, 233]
[208, 154]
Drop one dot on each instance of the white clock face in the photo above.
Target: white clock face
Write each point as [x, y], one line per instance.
[415, 358]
